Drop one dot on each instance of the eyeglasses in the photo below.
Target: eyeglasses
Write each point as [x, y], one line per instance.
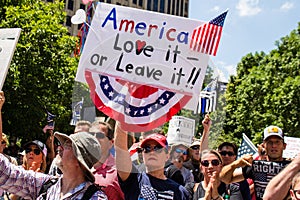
[99, 135]
[297, 194]
[184, 152]
[157, 148]
[214, 162]
[195, 147]
[35, 151]
[229, 153]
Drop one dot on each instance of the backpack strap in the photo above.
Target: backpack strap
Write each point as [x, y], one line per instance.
[90, 191]
[46, 186]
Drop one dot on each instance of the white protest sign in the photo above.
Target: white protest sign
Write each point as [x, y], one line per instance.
[143, 47]
[181, 130]
[292, 147]
[8, 40]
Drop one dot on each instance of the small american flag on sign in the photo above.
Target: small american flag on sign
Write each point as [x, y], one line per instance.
[206, 38]
[247, 147]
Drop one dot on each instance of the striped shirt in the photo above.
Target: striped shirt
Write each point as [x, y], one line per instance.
[27, 184]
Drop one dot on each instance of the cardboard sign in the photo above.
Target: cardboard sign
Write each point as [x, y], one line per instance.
[181, 130]
[292, 147]
[8, 40]
[144, 47]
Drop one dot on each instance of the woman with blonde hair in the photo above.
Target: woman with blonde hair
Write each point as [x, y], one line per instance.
[35, 156]
[34, 159]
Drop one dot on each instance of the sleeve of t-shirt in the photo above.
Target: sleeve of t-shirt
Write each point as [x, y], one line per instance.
[247, 172]
[190, 189]
[235, 192]
[130, 186]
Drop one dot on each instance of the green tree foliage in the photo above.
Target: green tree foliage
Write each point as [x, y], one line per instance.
[42, 72]
[266, 91]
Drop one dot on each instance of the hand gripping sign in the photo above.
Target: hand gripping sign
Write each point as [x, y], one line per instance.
[143, 67]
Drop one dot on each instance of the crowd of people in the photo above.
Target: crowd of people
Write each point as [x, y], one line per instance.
[97, 162]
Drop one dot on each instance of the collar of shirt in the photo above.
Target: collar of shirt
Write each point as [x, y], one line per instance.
[109, 162]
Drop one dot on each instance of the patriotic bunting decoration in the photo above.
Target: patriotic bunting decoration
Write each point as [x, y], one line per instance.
[206, 38]
[143, 106]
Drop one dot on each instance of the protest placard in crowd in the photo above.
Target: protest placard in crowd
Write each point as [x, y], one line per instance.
[292, 147]
[181, 130]
[8, 40]
[142, 67]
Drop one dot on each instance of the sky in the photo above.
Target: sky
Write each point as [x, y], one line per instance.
[250, 26]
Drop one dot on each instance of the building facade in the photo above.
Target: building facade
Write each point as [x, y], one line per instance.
[172, 7]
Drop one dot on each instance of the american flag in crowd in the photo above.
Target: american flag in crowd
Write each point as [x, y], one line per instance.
[50, 122]
[76, 112]
[208, 97]
[206, 38]
[247, 147]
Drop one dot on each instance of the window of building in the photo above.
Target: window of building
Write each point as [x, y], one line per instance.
[177, 8]
[149, 7]
[162, 6]
[70, 5]
[134, 1]
[68, 21]
[155, 5]
[169, 7]
[108, 1]
[82, 6]
[141, 3]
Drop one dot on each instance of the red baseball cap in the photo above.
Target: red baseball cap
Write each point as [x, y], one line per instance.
[159, 138]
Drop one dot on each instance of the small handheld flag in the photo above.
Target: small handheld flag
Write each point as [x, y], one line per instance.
[206, 38]
[50, 122]
[247, 147]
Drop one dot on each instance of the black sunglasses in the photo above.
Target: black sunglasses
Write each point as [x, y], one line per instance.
[35, 151]
[3, 142]
[157, 148]
[195, 147]
[214, 162]
[229, 153]
[297, 193]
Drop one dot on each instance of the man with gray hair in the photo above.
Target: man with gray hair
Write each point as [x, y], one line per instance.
[77, 154]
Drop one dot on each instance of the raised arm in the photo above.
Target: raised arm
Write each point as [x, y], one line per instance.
[230, 173]
[123, 160]
[2, 100]
[206, 122]
[279, 185]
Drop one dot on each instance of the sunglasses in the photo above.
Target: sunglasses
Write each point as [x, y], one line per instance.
[3, 142]
[229, 153]
[195, 147]
[98, 135]
[297, 193]
[35, 151]
[157, 148]
[184, 152]
[214, 162]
